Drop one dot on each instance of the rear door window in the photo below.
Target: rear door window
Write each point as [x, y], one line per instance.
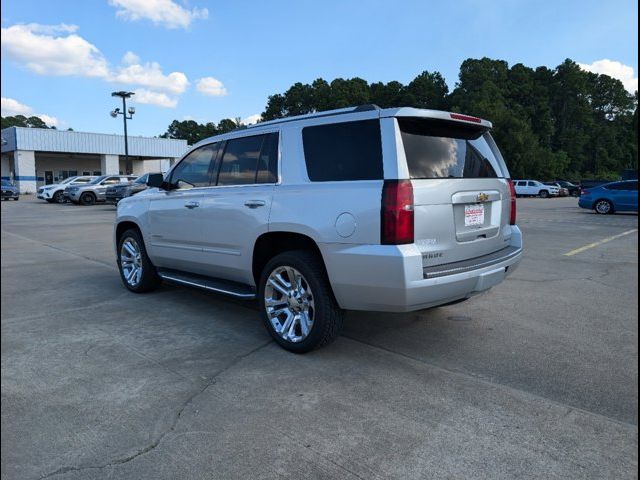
[343, 151]
[249, 160]
[441, 149]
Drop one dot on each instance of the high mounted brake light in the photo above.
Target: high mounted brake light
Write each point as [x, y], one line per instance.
[467, 118]
[396, 219]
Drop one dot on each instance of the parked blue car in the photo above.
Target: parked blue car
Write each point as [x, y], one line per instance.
[611, 197]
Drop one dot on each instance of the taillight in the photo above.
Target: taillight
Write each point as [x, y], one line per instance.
[397, 212]
[584, 192]
[512, 195]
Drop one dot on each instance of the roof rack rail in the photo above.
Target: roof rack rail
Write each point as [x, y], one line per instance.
[326, 113]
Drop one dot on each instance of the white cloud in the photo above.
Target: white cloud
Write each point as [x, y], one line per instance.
[39, 50]
[150, 97]
[255, 118]
[12, 107]
[150, 75]
[614, 69]
[130, 58]
[166, 13]
[211, 86]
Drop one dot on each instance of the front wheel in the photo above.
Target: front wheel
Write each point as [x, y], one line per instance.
[296, 302]
[544, 194]
[87, 199]
[603, 207]
[58, 197]
[137, 272]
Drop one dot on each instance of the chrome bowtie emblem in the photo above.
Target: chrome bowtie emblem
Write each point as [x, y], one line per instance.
[482, 197]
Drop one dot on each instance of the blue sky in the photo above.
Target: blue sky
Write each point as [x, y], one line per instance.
[207, 60]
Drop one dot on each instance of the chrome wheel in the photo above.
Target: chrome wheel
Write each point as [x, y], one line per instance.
[131, 261]
[603, 207]
[288, 301]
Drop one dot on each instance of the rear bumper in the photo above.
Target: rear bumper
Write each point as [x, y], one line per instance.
[392, 279]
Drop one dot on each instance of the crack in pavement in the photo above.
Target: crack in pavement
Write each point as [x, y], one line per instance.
[178, 415]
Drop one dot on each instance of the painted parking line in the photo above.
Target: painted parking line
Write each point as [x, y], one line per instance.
[600, 242]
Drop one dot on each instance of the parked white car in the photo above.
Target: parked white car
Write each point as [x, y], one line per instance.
[534, 188]
[396, 210]
[54, 193]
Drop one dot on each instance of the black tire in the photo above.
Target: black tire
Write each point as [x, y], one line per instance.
[87, 198]
[150, 280]
[58, 197]
[16, 198]
[543, 194]
[603, 207]
[328, 316]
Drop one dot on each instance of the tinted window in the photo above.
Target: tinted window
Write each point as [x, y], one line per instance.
[240, 161]
[268, 161]
[438, 149]
[532, 184]
[623, 186]
[343, 151]
[194, 169]
[522, 184]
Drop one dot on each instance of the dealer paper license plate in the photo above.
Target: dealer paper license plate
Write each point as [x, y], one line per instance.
[473, 215]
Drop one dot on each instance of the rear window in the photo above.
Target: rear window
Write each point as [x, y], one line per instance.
[343, 151]
[440, 149]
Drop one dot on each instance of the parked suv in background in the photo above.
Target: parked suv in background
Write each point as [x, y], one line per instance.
[95, 190]
[55, 193]
[611, 197]
[9, 191]
[395, 210]
[117, 192]
[534, 188]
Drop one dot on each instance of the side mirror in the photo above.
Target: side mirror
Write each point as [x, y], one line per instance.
[155, 180]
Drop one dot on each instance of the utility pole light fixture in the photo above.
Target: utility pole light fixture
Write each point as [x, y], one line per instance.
[114, 113]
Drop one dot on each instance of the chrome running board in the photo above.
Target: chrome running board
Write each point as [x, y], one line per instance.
[211, 284]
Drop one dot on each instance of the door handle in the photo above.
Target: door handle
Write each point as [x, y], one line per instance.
[192, 204]
[255, 203]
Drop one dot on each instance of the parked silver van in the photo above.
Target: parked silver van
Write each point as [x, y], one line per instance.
[360, 208]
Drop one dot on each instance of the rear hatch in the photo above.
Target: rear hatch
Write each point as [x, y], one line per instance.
[460, 188]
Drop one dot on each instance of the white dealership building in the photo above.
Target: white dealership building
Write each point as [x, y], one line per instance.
[36, 156]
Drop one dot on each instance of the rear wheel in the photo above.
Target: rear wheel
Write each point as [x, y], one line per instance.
[137, 272]
[87, 198]
[544, 194]
[296, 302]
[603, 207]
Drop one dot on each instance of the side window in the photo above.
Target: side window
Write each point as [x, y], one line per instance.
[343, 151]
[111, 181]
[522, 184]
[532, 184]
[194, 169]
[240, 160]
[268, 161]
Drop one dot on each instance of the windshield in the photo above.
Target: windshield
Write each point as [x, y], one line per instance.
[97, 179]
[142, 179]
[439, 149]
[67, 180]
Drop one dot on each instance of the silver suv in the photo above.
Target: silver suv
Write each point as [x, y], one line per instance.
[361, 208]
[95, 190]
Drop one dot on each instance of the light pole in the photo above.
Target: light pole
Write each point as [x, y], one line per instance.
[114, 113]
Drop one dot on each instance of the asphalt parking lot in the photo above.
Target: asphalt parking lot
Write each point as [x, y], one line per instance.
[537, 378]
